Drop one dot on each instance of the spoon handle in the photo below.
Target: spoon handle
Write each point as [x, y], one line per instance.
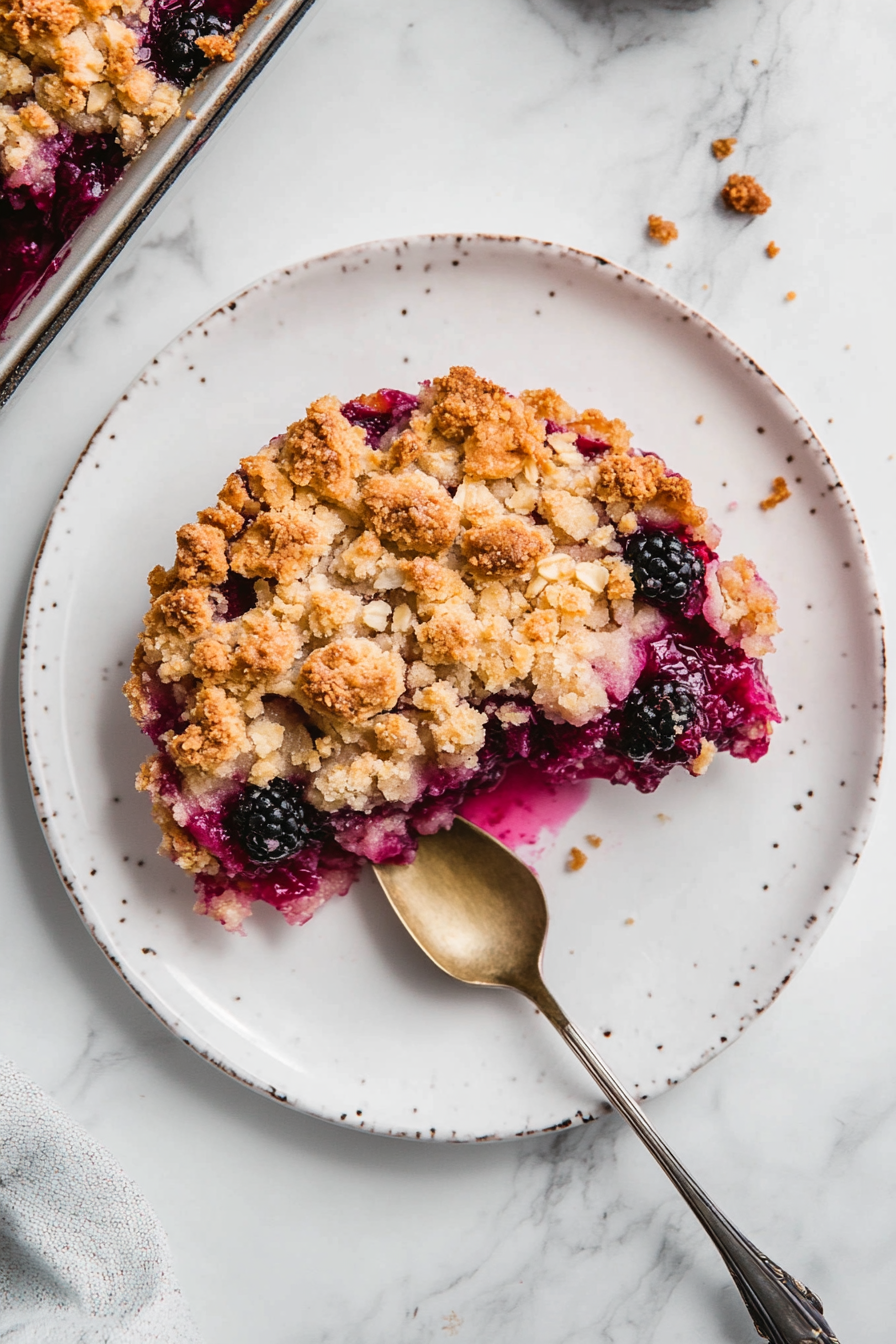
[784, 1311]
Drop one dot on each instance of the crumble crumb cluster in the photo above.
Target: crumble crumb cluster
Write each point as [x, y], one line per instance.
[384, 605]
[724, 147]
[779, 492]
[661, 230]
[744, 194]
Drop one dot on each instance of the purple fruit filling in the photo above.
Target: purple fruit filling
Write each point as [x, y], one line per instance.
[587, 447]
[36, 221]
[378, 414]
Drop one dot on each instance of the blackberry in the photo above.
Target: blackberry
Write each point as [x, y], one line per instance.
[273, 823]
[654, 718]
[172, 35]
[664, 568]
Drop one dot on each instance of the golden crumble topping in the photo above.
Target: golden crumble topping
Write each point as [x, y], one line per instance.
[216, 735]
[341, 613]
[744, 194]
[201, 554]
[548, 404]
[414, 511]
[218, 46]
[704, 758]
[772, 250]
[351, 679]
[505, 547]
[741, 606]
[325, 452]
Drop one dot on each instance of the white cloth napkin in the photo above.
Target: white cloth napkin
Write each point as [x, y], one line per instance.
[83, 1259]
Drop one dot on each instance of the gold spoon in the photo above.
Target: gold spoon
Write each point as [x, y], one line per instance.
[480, 914]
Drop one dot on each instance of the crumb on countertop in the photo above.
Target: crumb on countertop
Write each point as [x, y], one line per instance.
[772, 250]
[629, 920]
[576, 860]
[725, 146]
[744, 194]
[790, 296]
[780, 491]
[595, 841]
[699, 420]
[661, 816]
[661, 230]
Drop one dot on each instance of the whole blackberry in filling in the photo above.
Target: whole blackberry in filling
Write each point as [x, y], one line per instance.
[654, 718]
[273, 823]
[172, 35]
[664, 568]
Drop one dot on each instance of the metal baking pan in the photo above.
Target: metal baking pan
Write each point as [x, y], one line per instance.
[144, 181]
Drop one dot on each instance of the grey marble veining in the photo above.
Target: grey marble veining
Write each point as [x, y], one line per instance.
[571, 121]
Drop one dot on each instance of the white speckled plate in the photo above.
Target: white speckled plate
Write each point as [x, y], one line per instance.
[703, 899]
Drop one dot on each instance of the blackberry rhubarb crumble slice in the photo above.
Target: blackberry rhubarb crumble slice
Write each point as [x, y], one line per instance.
[403, 595]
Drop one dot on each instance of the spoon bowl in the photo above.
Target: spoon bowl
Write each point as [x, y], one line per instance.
[474, 908]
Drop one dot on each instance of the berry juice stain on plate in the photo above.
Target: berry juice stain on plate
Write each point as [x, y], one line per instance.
[524, 806]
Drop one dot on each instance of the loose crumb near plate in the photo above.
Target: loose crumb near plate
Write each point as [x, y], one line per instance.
[744, 194]
[723, 147]
[661, 230]
[779, 492]
[577, 859]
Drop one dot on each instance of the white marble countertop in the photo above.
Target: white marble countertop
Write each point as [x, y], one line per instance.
[568, 120]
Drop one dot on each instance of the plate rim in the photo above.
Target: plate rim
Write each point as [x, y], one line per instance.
[864, 816]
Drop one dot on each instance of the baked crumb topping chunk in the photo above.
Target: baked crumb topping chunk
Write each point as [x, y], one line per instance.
[381, 617]
[744, 194]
